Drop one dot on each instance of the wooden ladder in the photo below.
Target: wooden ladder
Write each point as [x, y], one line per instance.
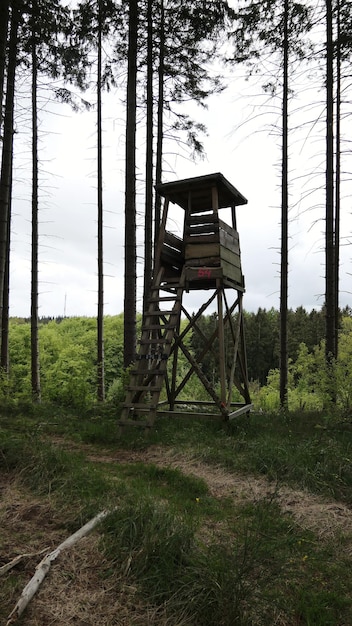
[148, 374]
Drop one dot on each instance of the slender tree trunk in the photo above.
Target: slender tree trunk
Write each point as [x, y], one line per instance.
[4, 21]
[100, 316]
[148, 222]
[337, 177]
[160, 121]
[284, 222]
[130, 332]
[7, 152]
[5, 358]
[35, 373]
[329, 212]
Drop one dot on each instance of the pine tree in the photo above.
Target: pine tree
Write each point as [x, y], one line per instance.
[330, 341]
[100, 313]
[130, 332]
[7, 155]
[35, 370]
[284, 217]
[255, 36]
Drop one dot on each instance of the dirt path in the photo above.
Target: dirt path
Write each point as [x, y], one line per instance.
[77, 593]
[325, 518]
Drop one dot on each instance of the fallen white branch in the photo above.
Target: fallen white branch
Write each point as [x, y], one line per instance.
[5, 568]
[42, 569]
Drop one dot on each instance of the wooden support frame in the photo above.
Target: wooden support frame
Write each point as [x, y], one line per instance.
[232, 373]
[206, 259]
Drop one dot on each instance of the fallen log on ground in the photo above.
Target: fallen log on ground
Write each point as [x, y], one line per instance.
[29, 555]
[43, 567]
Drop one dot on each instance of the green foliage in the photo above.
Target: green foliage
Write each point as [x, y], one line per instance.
[343, 366]
[262, 340]
[316, 382]
[68, 363]
[116, 392]
[67, 359]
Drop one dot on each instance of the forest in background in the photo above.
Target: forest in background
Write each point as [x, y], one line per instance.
[164, 55]
[206, 523]
[68, 361]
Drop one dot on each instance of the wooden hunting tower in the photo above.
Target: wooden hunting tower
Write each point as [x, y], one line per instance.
[205, 259]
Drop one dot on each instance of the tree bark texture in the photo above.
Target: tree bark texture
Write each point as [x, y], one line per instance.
[284, 221]
[7, 151]
[148, 222]
[35, 373]
[337, 176]
[4, 22]
[160, 121]
[100, 315]
[130, 333]
[5, 357]
[329, 209]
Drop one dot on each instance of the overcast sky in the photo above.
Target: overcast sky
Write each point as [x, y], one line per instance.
[241, 143]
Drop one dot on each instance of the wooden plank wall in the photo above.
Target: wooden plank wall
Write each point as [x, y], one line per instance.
[172, 252]
[210, 242]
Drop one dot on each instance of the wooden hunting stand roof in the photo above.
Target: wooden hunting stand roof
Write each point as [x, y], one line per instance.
[200, 188]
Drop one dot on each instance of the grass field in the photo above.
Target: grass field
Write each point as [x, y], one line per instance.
[249, 524]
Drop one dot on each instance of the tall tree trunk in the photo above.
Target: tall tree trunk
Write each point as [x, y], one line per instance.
[100, 316]
[160, 121]
[5, 358]
[7, 152]
[4, 21]
[148, 222]
[329, 210]
[284, 222]
[337, 176]
[130, 332]
[35, 373]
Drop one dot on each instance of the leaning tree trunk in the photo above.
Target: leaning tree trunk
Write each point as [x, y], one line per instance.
[284, 223]
[100, 316]
[7, 152]
[35, 373]
[130, 300]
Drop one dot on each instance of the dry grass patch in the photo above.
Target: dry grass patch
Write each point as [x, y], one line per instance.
[80, 588]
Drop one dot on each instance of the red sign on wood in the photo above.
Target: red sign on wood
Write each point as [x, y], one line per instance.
[204, 272]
